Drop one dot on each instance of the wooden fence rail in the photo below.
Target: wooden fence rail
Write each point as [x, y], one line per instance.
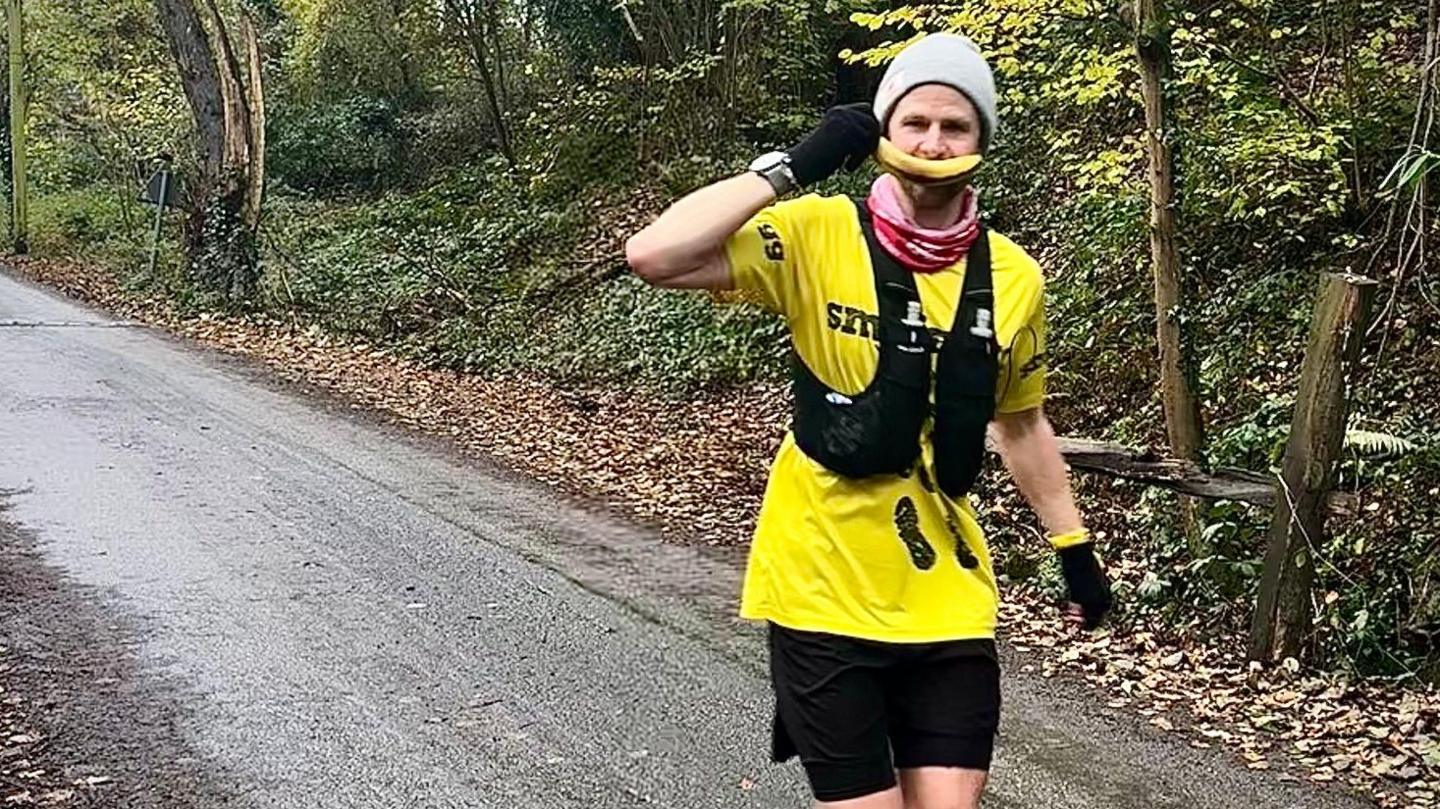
[1145, 466]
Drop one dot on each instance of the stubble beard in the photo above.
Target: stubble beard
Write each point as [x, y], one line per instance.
[932, 198]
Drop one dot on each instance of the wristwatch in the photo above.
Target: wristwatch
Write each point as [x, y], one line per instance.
[775, 168]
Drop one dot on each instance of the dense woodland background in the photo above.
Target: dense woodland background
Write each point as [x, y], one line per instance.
[454, 179]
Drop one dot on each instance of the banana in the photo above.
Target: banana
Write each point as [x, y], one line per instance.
[926, 172]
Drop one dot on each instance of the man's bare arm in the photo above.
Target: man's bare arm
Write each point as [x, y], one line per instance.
[1027, 444]
[684, 248]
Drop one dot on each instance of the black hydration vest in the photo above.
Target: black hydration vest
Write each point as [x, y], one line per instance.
[877, 431]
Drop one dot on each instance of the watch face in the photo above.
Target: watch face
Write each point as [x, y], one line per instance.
[767, 161]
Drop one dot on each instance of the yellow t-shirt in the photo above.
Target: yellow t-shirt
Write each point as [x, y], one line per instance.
[886, 558]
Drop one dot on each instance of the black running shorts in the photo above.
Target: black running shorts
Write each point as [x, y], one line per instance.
[857, 710]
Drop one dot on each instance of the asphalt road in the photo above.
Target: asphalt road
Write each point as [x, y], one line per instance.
[244, 595]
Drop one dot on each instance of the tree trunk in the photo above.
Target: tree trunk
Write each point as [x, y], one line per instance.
[1182, 413]
[255, 100]
[220, 237]
[232, 91]
[19, 185]
[393, 35]
[191, 49]
[473, 27]
[496, 35]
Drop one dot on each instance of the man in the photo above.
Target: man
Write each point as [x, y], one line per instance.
[913, 329]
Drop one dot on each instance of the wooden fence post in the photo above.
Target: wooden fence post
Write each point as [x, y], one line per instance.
[1282, 611]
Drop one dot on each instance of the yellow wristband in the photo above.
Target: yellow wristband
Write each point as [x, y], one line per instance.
[1070, 539]
[892, 158]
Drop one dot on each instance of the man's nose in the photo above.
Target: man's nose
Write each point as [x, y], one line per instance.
[933, 147]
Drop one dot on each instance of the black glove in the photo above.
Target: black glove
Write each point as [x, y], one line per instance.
[1087, 582]
[846, 136]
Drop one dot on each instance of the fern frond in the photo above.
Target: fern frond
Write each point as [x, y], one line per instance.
[1376, 444]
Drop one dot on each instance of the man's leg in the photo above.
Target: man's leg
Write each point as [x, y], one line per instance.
[830, 710]
[889, 799]
[942, 787]
[945, 709]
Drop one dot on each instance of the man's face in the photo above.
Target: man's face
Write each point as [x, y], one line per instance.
[935, 122]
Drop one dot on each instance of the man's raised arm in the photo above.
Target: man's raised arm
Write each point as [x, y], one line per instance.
[684, 247]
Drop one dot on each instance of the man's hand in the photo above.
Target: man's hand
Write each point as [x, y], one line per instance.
[1089, 587]
[845, 138]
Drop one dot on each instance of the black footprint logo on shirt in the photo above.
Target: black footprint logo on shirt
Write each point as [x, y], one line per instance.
[925, 481]
[963, 554]
[907, 523]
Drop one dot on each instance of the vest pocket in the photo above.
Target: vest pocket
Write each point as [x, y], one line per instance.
[959, 439]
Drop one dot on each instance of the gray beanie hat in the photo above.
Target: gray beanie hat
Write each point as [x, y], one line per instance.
[941, 59]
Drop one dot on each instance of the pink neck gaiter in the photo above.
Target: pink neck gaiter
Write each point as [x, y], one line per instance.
[920, 249]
